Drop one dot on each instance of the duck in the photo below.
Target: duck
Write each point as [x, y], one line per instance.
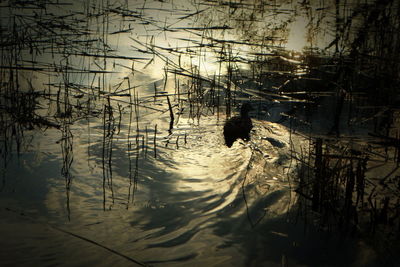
[238, 126]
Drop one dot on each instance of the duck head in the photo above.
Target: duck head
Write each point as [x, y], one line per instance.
[244, 110]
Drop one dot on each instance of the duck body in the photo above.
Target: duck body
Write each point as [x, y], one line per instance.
[238, 126]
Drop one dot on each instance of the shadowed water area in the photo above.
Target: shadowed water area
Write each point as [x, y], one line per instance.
[112, 145]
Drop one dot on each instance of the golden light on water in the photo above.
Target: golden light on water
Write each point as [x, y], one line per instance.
[297, 39]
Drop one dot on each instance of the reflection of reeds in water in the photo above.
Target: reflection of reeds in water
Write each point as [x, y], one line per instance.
[134, 110]
[171, 114]
[138, 146]
[332, 185]
[333, 182]
[107, 148]
[68, 158]
[155, 141]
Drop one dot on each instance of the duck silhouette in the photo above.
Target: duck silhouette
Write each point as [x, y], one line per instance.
[238, 126]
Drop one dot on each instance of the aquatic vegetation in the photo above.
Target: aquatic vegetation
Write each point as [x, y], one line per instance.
[112, 121]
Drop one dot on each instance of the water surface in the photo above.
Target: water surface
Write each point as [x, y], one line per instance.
[107, 179]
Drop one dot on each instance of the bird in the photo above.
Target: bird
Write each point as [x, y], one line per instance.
[238, 126]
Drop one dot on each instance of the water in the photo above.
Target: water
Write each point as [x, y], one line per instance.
[115, 184]
[197, 202]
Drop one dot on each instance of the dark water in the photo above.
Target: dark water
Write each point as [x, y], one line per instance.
[125, 189]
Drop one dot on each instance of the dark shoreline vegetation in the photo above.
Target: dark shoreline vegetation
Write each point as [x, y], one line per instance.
[59, 63]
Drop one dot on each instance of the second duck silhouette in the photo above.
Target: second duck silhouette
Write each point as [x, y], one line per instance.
[238, 126]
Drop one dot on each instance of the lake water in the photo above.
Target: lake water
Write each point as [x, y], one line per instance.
[106, 180]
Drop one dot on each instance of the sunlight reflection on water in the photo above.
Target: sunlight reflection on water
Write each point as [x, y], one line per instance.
[196, 202]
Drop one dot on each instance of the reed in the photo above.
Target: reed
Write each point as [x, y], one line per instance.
[333, 181]
[74, 52]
